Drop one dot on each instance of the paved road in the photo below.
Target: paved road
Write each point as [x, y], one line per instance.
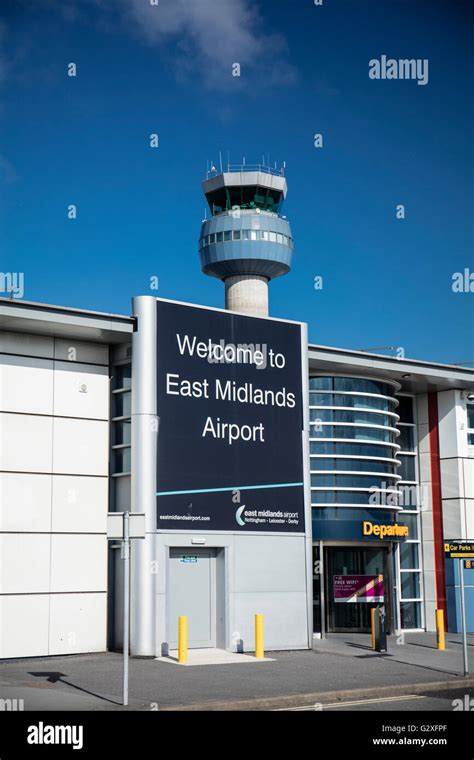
[442, 701]
[337, 665]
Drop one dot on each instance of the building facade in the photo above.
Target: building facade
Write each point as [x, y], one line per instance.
[391, 462]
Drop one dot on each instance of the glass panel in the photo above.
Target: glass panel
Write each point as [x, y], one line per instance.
[410, 585]
[406, 438]
[351, 481]
[352, 562]
[470, 416]
[409, 496]
[236, 234]
[356, 465]
[365, 434]
[122, 403]
[470, 439]
[122, 460]
[410, 614]
[345, 497]
[357, 402]
[321, 383]
[405, 408]
[219, 237]
[122, 377]
[228, 235]
[362, 449]
[362, 384]
[407, 468]
[409, 556]
[411, 521]
[122, 432]
[353, 514]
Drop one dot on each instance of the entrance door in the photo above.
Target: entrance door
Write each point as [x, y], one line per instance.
[342, 561]
[192, 592]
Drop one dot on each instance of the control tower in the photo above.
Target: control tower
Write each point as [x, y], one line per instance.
[247, 241]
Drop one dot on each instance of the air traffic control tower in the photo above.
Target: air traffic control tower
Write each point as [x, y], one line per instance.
[247, 241]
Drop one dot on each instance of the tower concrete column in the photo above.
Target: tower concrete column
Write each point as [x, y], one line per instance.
[247, 294]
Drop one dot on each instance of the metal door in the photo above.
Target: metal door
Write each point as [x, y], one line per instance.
[192, 592]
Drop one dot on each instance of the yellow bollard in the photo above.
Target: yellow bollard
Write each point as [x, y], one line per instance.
[440, 643]
[259, 653]
[182, 639]
[372, 623]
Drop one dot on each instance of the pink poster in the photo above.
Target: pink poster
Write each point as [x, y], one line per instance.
[358, 588]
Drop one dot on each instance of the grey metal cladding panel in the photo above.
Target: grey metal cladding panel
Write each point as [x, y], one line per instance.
[285, 619]
[239, 179]
[23, 344]
[423, 376]
[62, 322]
[269, 563]
[122, 493]
[91, 353]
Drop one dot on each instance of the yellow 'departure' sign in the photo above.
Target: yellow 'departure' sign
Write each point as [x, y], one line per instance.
[458, 549]
[393, 530]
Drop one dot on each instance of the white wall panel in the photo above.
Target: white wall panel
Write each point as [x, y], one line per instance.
[468, 476]
[24, 563]
[26, 385]
[448, 424]
[24, 623]
[469, 503]
[453, 523]
[25, 502]
[81, 447]
[80, 504]
[81, 390]
[78, 563]
[25, 443]
[78, 623]
[451, 478]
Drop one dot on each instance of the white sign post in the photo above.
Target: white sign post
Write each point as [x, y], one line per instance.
[124, 526]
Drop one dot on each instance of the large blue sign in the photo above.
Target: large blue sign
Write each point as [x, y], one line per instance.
[230, 421]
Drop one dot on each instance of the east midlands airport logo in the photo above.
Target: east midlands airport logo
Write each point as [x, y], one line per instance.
[245, 516]
[238, 515]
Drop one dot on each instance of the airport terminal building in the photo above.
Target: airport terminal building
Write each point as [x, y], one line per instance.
[308, 483]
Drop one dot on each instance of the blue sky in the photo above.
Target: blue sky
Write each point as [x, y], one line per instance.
[141, 69]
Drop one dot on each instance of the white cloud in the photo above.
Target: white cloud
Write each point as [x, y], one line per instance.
[202, 38]
[211, 35]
